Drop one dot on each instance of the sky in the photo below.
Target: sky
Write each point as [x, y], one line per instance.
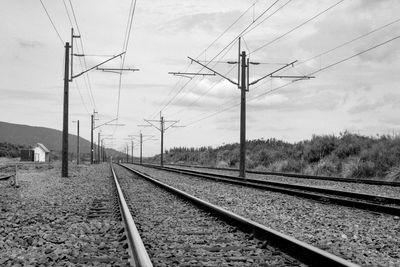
[353, 89]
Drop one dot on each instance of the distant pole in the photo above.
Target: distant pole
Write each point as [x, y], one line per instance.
[102, 150]
[141, 144]
[98, 147]
[64, 166]
[132, 151]
[91, 138]
[127, 154]
[78, 152]
[242, 164]
[162, 142]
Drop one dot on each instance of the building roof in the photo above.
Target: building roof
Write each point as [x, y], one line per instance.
[43, 147]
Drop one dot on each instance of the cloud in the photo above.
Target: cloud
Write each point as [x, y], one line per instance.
[201, 22]
[29, 44]
[34, 94]
[370, 103]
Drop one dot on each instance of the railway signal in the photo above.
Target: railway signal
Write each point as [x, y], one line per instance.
[243, 84]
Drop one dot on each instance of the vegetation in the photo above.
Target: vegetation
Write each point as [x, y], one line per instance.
[10, 150]
[347, 155]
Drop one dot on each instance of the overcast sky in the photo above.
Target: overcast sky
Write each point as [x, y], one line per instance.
[360, 95]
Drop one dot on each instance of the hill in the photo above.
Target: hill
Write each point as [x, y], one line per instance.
[30, 135]
[26, 136]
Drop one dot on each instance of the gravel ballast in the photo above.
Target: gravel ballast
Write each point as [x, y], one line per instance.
[178, 233]
[363, 237]
[45, 221]
[378, 190]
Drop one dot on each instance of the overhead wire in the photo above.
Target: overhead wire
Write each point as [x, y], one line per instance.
[125, 48]
[203, 52]
[291, 82]
[86, 75]
[297, 27]
[266, 18]
[350, 41]
[76, 82]
[52, 23]
[224, 48]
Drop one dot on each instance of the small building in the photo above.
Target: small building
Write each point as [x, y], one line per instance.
[42, 154]
[27, 155]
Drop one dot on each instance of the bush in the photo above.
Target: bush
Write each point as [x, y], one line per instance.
[287, 165]
[357, 168]
[319, 147]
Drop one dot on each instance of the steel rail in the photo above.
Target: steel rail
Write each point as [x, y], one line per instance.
[302, 251]
[137, 251]
[357, 200]
[299, 175]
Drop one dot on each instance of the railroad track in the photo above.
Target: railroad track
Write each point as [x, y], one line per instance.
[180, 229]
[298, 175]
[137, 252]
[373, 203]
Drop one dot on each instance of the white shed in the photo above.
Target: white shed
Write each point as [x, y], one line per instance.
[41, 153]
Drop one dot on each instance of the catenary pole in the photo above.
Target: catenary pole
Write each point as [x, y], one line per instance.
[132, 151]
[162, 141]
[98, 147]
[141, 144]
[91, 138]
[77, 151]
[242, 165]
[64, 166]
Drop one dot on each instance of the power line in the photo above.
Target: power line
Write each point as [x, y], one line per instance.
[52, 23]
[125, 48]
[80, 94]
[350, 41]
[227, 29]
[298, 26]
[357, 54]
[84, 59]
[230, 44]
[69, 17]
[265, 19]
[205, 93]
[190, 81]
[291, 82]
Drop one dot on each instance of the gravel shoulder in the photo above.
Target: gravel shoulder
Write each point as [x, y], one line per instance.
[378, 190]
[363, 237]
[45, 221]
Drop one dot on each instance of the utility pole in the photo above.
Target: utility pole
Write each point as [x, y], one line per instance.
[102, 151]
[64, 167]
[244, 85]
[91, 138]
[68, 77]
[132, 151]
[141, 141]
[127, 154]
[98, 147]
[141, 149]
[77, 143]
[242, 164]
[162, 130]
[93, 127]
[162, 141]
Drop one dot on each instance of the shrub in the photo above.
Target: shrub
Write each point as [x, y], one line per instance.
[319, 147]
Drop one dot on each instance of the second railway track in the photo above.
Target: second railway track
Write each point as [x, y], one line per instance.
[374, 203]
[177, 232]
